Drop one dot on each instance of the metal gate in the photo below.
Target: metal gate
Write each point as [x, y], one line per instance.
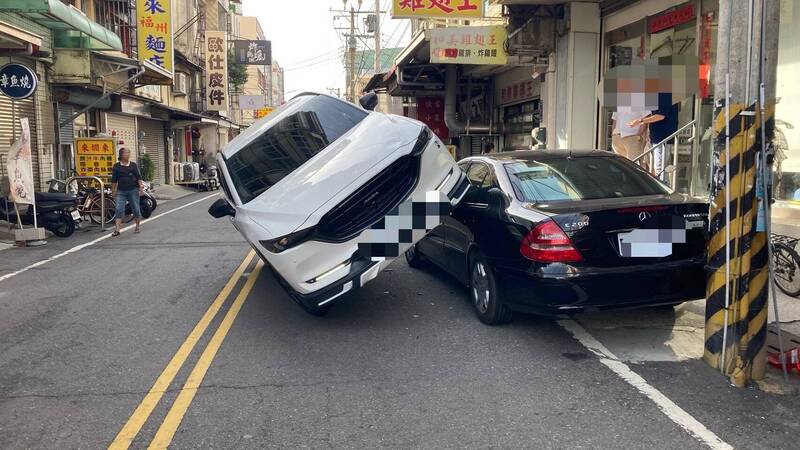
[152, 134]
[124, 129]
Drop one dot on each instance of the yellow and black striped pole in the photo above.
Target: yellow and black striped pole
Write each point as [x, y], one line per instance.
[737, 289]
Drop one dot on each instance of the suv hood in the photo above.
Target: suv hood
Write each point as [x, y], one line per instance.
[364, 150]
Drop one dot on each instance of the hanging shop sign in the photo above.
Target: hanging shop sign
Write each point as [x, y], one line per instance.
[263, 112]
[252, 102]
[468, 45]
[258, 53]
[18, 81]
[20, 167]
[430, 111]
[451, 9]
[216, 71]
[95, 156]
[154, 21]
[671, 19]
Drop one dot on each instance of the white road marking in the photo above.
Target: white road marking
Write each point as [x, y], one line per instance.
[667, 406]
[78, 248]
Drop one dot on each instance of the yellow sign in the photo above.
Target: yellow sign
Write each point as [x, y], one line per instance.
[454, 9]
[154, 29]
[468, 45]
[263, 112]
[95, 156]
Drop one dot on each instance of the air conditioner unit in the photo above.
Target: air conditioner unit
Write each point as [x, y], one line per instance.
[181, 84]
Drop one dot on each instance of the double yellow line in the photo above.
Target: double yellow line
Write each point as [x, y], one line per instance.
[186, 394]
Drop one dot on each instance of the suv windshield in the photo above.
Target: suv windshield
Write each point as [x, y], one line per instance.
[309, 126]
[579, 178]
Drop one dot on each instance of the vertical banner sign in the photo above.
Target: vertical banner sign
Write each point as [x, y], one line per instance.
[95, 156]
[20, 167]
[154, 25]
[430, 111]
[450, 9]
[468, 45]
[216, 71]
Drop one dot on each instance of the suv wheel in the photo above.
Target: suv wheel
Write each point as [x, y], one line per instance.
[483, 292]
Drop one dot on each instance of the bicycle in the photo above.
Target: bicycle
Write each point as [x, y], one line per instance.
[786, 263]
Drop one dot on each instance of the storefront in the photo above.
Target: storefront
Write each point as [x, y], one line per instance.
[519, 107]
[662, 28]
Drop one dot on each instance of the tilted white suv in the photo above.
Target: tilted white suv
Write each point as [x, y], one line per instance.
[329, 194]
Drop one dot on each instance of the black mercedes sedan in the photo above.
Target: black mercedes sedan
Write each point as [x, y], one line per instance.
[557, 232]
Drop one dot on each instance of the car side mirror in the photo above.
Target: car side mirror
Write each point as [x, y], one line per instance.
[369, 101]
[221, 208]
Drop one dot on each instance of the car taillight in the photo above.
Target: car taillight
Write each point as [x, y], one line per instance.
[547, 242]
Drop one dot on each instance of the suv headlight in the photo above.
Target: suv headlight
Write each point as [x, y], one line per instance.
[283, 243]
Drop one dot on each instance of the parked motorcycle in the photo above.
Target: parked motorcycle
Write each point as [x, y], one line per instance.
[55, 212]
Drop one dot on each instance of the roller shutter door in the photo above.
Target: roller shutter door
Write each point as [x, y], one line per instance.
[9, 123]
[124, 129]
[153, 140]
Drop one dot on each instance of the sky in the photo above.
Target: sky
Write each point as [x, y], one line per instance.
[306, 45]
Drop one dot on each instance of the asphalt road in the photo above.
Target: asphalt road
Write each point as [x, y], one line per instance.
[402, 363]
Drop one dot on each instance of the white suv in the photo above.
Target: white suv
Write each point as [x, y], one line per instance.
[329, 194]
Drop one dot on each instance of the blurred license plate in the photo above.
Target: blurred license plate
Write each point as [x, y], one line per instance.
[649, 243]
[75, 215]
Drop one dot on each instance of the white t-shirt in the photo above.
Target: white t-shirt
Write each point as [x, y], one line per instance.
[622, 117]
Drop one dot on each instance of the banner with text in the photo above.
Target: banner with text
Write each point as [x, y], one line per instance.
[20, 167]
[450, 9]
[216, 71]
[258, 53]
[154, 29]
[468, 45]
[95, 156]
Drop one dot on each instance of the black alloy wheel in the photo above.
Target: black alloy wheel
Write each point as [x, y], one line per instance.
[483, 292]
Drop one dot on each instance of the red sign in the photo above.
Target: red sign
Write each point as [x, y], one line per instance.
[670, 19]
[430, 111]
[518, 91]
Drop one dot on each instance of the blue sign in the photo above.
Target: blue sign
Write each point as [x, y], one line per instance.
[17, 81]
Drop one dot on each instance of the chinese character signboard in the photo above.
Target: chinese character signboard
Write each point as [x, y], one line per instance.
[430, 111]
[454, 9]
[95, 156]
[216, 71]
[257, 53]
[518, 91]
[17, 81]
[263, 112]
[20, 167]
[154, 29]
[468, 45]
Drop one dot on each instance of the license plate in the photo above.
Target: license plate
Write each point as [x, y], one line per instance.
[649, 243]
[75, 215]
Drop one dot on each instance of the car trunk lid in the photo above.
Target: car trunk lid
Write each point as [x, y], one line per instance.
[635, 230]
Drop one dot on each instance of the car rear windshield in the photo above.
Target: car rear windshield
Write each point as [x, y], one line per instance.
[309, 126]
[579, 178]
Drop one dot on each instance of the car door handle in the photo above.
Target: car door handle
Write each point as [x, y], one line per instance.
[477, 205]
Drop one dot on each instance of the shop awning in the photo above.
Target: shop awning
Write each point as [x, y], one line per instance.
[71, 28]
[179, 114]
[12, 37]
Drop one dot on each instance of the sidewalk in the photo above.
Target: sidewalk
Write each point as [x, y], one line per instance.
[172, 192]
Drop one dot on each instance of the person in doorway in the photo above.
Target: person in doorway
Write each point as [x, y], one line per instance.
[488, 148]
[629, 141]
[126, 184]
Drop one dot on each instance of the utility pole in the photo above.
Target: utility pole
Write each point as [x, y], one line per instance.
[377, 36]
[351, 56]
[738, 250]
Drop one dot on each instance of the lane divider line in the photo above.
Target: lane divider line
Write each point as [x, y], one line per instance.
[175, 415]
[674, 412]
[142, 412]
[101, 238]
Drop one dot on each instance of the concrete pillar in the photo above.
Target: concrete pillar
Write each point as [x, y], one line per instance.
[738, 287]
[577, 61]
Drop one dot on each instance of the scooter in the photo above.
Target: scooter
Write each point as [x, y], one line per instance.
[55, 212]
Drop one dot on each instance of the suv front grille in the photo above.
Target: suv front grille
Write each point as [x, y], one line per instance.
[371, 202]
